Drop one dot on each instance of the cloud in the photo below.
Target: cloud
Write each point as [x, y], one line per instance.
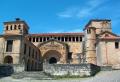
[68, 13]
[67, 31]
[81, 11]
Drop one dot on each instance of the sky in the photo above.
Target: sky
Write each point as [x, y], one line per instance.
[53, 16]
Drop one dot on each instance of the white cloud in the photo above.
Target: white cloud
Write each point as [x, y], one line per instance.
[83, 11]
[68, 13]
[67, 31]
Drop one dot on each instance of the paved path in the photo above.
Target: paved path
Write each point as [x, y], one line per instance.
[104, 76]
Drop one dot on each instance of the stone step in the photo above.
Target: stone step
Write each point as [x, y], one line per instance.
[32, 75]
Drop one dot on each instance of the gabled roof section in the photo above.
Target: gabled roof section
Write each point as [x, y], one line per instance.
[94, 20]
[108, 33]
[52, 40]
[108, 36]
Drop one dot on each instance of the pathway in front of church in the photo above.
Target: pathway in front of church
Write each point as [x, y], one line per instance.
[104, 76]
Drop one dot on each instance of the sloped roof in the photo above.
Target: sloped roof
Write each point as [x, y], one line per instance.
[108, 33]
[113, 37]
[55, 34]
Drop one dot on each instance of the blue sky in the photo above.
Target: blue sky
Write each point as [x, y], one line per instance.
[45, 16]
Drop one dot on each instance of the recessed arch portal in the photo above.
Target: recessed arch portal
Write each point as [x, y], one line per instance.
[8, 60]
[52, 56]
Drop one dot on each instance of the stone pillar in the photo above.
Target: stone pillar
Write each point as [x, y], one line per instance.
[64, 39]
[75, 38]
[78, 39]
[38, 39]
[42, 39]
[60, 38]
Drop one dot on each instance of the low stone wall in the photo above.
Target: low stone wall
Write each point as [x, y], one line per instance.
[106, 68]
[6, 70]
[81, 70]
[18, 68]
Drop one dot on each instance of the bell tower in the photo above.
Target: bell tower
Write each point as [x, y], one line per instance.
[17, 27]
[90, 42]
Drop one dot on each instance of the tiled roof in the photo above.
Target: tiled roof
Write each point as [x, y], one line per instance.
[55, 34]
[110, 38]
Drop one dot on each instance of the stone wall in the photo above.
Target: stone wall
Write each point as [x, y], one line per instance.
[6, 70]
[80, 70]
[18, 68]
[107, 54]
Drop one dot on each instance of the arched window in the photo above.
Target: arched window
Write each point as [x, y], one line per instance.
[66, 39]
[116, 45]
[88, 31]
[69, 38]
[19, 26]
[80, 39]
[62, 38]
[9, 45]
[15, 27]
[73, 39]
[44, 38]
[36, 39]
[7, 27]
[33, 39]
[11, 27]
[47, 38]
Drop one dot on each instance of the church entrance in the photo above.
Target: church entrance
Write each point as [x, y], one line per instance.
[8, 60]
[52, 60]
[53, 51]
[52, 57]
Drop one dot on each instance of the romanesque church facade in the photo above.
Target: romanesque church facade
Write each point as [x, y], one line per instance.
[97, 44]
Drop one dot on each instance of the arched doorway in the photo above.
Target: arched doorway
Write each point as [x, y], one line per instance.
[52, 57]
[8, 60]
[52, 60]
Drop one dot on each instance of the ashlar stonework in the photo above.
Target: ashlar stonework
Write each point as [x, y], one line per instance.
[97, 45]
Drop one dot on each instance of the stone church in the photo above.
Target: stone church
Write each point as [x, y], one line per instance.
[97, 44]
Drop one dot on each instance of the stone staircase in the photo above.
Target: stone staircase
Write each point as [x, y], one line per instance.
[38, 75]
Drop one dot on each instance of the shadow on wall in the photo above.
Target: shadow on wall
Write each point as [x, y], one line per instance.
[6, 70]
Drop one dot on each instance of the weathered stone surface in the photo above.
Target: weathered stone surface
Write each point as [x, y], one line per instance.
[18, 68]
[6, 70]
[71, 69]
[37, 75]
